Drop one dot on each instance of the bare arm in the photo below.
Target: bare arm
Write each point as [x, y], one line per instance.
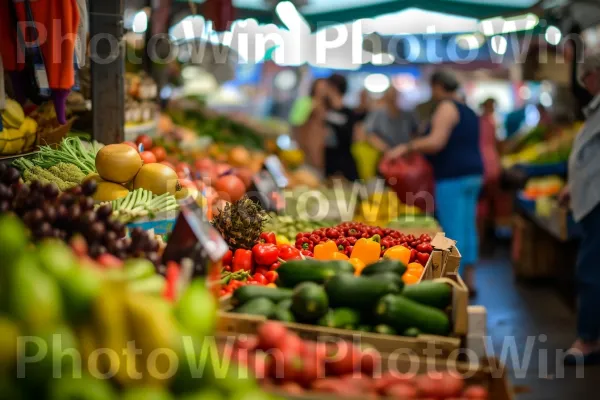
[377, 143]
[444, 120]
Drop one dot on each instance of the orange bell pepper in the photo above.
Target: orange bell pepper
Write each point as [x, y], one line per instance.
[339, 256]
[410, 279]
[358, 266]
[325, 251]
[367, 250]
[399, 253]
[415, 269]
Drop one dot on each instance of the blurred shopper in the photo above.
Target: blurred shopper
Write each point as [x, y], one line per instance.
[342, 122]
[307, 118]
[364, 105]
[492, 168]
[583, 192]
[452, 143]
[390, 126]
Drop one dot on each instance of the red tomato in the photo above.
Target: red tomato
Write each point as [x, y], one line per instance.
[230, 188]
[423, 258]
[476, 393]
[183, 170]
[344, 359]
[128, 143]
[148, 157]
[271, 334]
[221, 169]
[204, 165]
[160, 153]
[145, 141]
[168, 164]
[370, 362]
[402, 391]
[272, 276]
[260, 278]
[292, 388]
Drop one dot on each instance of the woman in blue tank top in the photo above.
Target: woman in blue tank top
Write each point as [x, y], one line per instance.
[452, 146]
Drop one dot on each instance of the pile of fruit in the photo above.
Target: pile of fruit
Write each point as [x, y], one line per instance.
[49, 213]
[382, 207]
[347, 234]
[17, 132]
[286, 363]
[60, 305]
[289, 227]
[329, 294]
[546, 186]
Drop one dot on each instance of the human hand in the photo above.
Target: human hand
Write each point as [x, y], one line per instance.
[396, 152]
[564, 197]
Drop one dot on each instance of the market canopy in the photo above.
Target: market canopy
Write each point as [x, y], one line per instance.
[318, 12]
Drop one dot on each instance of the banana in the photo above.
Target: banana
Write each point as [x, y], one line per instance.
[29, 129]
[155, 331]
[112, 332]
[13, 141]
[13, 114]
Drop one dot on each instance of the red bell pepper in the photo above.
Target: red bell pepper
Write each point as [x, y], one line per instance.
[288, 252]
[268, 237]
[242, 260]
[227, 258]
[172, 277]
[265, 253]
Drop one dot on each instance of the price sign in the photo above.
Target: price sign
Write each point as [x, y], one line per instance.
[267, 186]
[194, 237]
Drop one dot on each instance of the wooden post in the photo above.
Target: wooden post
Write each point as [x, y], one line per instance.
[108, 70]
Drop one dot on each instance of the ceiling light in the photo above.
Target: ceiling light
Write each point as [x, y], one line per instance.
[377, 83]
[140, 22]
[499, 45]
[553, 35]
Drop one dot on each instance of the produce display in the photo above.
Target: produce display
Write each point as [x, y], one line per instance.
[18, 133]
[53, 297]
[70, 150]
[335, 294]
[289, 227]
[546, 186]
[142, 203]
[49, 213]
[287, 364]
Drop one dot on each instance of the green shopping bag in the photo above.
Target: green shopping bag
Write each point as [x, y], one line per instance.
[366, 158]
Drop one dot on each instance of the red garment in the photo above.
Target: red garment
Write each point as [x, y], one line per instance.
[57, 22]
[489, 150]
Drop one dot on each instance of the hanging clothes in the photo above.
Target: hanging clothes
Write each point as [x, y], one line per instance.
[54, 67]
[82, 32]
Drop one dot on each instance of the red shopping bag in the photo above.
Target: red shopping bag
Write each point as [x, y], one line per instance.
[411, 177]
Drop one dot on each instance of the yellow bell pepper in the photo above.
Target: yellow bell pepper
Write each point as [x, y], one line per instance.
[367, 250]
[358, 266]
[282, 240]
[325, 251]
[339, 256]
[399, 253]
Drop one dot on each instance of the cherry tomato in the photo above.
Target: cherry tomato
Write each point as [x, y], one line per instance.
[148, 157]
[144, 140]
[272, 276]
[260, 278]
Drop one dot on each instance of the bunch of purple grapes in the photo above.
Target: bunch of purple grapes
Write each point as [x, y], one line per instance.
[49, 213]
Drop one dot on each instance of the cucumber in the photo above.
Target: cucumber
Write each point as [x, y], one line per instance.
[390, 276]
[309, 302]
[292, 273]
[364, 328]
[412, 332]
[260, 306]
[385, 265]
[385, 330]
[341, 318]
[283, 311]
[246, 293]
[358, 292]
[429, 293]
[401, 313]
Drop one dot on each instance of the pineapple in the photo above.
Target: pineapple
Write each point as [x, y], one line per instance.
[241, 223]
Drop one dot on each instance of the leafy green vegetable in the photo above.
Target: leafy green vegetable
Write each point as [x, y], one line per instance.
[71, 150]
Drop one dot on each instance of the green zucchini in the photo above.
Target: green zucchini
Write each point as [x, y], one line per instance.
[411, 332]
[430, 293]
[260, 306]
[246, 293]
[358, 292]
[292, 273]
[401, 313]
[341, 318]
[385, 265]
[385, 330]
[309, 302]
[283, 311]
[391, 277]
